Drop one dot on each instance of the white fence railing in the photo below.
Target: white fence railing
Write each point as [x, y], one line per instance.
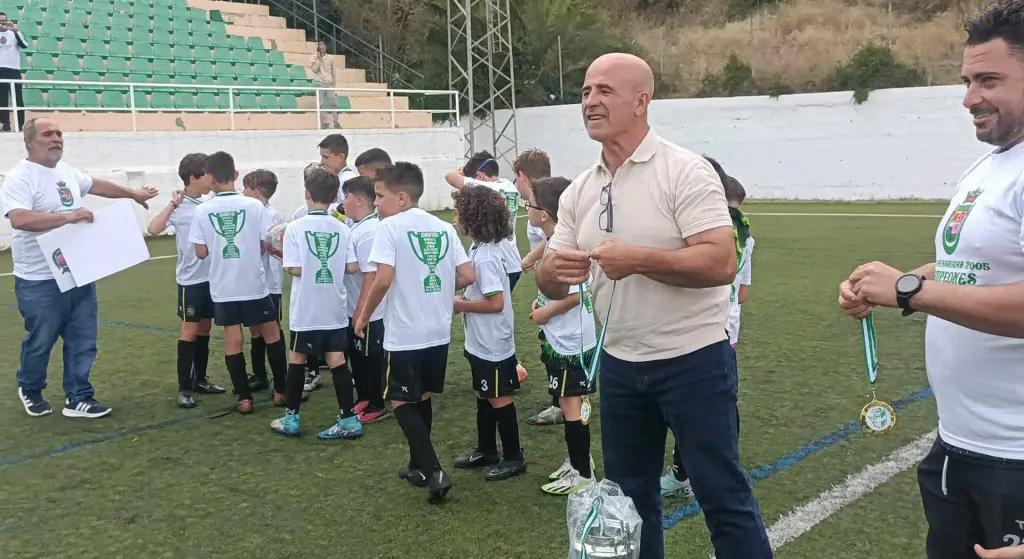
[233, 91]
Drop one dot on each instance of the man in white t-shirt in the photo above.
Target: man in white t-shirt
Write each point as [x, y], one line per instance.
[972, 482]
[334, 156]
[420, 263]
[482, 170]
[12, 42]
[41, 194]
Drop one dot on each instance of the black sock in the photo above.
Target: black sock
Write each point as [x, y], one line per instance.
[258, 355]
[186, 352]
[278, 364]
[359, 381]
[677, 460]
[577, 440]
[508, 428]
[375, 382]
[201, 358]
[426, 408]
[312, 363]
[294, 380]
[421, 450]
[554, 401]
[236, 370]
[486, 426]
[342, 378]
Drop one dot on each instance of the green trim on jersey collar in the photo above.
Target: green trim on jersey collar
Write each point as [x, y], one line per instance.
[317, 212]
[225, 194]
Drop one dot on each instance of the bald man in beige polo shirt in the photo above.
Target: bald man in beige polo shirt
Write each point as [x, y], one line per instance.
[650, 221]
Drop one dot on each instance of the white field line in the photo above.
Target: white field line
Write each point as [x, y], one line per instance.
[8, 274]
[801, 519]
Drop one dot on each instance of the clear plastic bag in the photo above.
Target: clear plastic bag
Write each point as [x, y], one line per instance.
[603, 523]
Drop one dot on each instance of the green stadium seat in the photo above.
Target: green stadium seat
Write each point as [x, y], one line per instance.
[144, 11]
[210, 101]
[221, 54]
[29, 28]
[121, 22]
[141, 99]
[113, 99]
[141, 35]
[94, 47]
[163, 24]
[237, 42]
[255, 43]
[216, 17]
[343, 102]
[183, 52]
[204, 68]
[138, 78]
[33, 74]
[288, 102]
[33, 98]
[78, 17]
[181, 27]
[276, 57]
[247, 102]
[244, 73]
[260, 70]
[266, 79]
[222, 79]
[163, 38]
[297, 72]
[202, 39]
[184, 100]
[69, 46]
[64, 76]
[268, 101]
[94, 64]
[184, 68]
[204, 53]
[58, 98]
[118, 64]
[258, 56]
[97, 19]
[283, 81]
[122, 35]
[240, 56]
[142, 66]
[48, 45]
[121, 7]
[225, 69]
[162, 66]
[143, 50]
[120, 48]
[163, 51]
[220, 40]
[91, 77]
[97, 32]
[115, 77]
[200, 27]
[87, 99]
[162, 79]
[45, 62]
[161, 100]
[68, 62]
[77, 32]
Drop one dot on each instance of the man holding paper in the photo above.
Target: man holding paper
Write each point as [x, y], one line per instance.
[38, 195]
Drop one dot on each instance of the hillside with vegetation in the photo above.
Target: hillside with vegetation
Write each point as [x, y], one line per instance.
[698, 48]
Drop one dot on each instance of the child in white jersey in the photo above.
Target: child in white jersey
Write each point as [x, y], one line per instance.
[490, 337]
[229, 230]
[261, 184]
[195, 308]
[317, 253]
[569, 344]
[420, 263]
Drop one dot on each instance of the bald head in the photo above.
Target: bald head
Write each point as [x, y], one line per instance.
[616, 93]
[632, 70]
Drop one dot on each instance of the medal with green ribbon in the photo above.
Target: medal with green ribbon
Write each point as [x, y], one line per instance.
[591, 368]
[323, 246]
[877, 416]
[430, 248]
[228, 225]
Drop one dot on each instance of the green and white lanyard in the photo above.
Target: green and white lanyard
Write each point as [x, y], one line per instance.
[870, 339]
[877, 416]
[591, 368]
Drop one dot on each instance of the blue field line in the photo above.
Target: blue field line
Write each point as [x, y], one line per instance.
[786, 462]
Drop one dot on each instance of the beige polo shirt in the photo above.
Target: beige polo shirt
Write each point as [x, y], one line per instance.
[661, 195]
[323, 70]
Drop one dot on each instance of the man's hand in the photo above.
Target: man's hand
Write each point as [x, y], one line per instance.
[568, 267]
[12, 26]
[853, 304]
[142, 195]
[1015, 552]
[875, 283]
[80, 215]
[615, 258]
[359, 327]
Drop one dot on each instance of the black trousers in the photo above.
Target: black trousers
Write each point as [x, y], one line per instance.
[5, 98]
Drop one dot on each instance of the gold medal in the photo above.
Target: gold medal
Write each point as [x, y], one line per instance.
[878, 417]
[585, 411]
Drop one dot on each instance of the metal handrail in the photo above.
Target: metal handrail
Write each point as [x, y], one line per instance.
[131, 88]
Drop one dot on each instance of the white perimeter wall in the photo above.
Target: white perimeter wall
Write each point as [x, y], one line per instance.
[901, 143]
[151, 158]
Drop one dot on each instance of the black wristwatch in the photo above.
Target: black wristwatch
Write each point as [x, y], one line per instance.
[906, 287]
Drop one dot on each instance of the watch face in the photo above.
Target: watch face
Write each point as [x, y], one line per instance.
[907, 284]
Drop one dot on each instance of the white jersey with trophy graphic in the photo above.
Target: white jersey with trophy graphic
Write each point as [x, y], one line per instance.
[344, 175]
[364, 232]
[742, 279]
[33, 187]
[190, 269]
[424, 252]
[232, 227]
[571, 333]
[271, 265]
[513, 260]
[490, 336]
[320, 245]
[977, 377]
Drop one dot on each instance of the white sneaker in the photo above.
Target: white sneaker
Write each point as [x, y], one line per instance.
[568, 484]
[566, 467]
[550, 416]
[672, 486]
[312, 381]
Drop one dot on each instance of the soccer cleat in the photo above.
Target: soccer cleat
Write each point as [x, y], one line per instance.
[506, 469]
[245, 406]
[565, 468]
[35, 404]
[88, 408]
[186, 400]
[258, 384]
[343, 428]
[552, 415]
[288, 425]
[312, 381]
[279, 399]
[206, 387]
[373, 416]
[438, 487]
[568, 484]
[360, 407]
[415, 476]
[476, 458]
[672, 486]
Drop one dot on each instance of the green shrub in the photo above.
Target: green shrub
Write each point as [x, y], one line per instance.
[875, 67]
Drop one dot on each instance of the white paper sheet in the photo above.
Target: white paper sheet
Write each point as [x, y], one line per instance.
[111, 243]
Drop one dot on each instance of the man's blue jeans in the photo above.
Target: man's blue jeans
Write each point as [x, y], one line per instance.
[48, 313]
[695, 396]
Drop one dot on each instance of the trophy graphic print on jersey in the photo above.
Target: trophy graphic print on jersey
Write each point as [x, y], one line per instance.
[228, 225]
[512, 201]
[955, 224]
[67, 199]
[323, 246]
[430, 248]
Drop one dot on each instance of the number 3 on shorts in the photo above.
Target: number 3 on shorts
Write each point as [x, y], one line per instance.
[483, 385]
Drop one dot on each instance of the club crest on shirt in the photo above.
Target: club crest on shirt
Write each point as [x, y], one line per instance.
[3, 40]
[60, 262]
[67, 199]
[957, 219]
